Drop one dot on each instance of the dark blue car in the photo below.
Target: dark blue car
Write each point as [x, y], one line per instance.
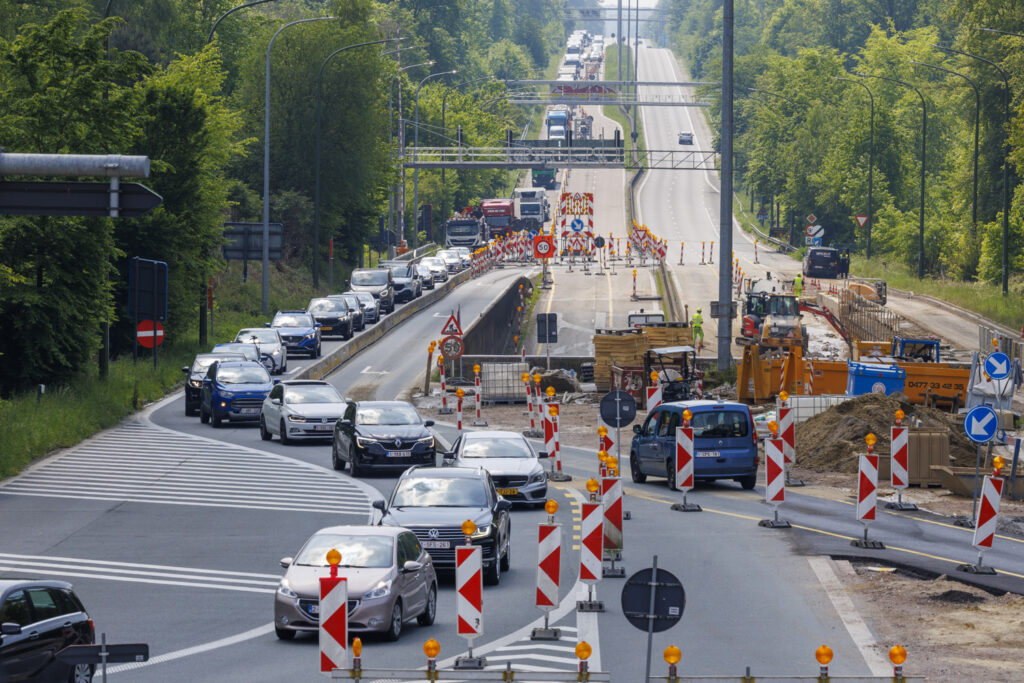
[234, 391]
[300, 332]
[724, 441]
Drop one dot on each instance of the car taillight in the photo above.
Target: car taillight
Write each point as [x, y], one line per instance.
[92, 627]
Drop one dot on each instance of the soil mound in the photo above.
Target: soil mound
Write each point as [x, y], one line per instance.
[833, 440]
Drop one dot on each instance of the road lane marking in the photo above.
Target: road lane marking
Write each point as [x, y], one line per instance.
[132, 579]
[135, 565]
[257, 632]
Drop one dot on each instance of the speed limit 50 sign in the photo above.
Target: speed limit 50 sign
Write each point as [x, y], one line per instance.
[543, 246]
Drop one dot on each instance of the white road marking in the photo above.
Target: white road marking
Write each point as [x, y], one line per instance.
[855, 625]
[257, 632]
[110, 563]
[368, 370]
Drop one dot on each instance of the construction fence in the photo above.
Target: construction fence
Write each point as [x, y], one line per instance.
[865, 319]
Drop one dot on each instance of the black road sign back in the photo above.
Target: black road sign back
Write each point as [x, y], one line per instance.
[147, 289]
[74, 199]
[245, 241]
[618, 408]
[599, 242]
[669, 600]
[547, 328]
[116, 653]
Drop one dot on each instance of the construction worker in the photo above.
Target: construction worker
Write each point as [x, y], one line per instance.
[798, 285]
[697, 326]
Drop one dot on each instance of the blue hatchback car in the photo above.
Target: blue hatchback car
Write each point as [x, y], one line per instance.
[234, 391]
[724, 441]
[299, 330]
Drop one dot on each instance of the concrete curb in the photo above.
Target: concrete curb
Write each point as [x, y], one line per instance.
[330, 362]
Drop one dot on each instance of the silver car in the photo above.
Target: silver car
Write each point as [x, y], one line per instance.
[391, 579]
[437, 267]
[510, 460]
[300, 409]
[272, 349]
[451, 260]
[465, 254]
[371, 306]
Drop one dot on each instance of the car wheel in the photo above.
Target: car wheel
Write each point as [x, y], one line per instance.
[284, 633]
[357, 471]
[748, 483]
[506, 559]
[395, 627]
[316, 354]
[204, 417]
[264, 433]
[634, 470]
[216, 420]
[670, 474]
[492, 573]
[189, 410]
[82, 673]
[336, 462]
[430, 609]
[284, 434]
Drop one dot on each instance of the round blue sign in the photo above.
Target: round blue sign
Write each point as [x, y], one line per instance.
[997, 365]
[980, 424]
[576, 225]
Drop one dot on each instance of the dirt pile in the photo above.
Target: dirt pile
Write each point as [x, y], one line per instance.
[832, 441]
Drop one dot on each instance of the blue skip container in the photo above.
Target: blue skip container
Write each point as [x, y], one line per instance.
[874, 378]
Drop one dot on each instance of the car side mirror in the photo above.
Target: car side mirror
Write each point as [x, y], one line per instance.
[275, 401]
[185, 369]
[207, 380]
[286, 562]
[636, 429]
[379, 504]
[10, 629]
[316, 325]
[411, 566]
[428, 423]
[503, 505]
[266, 324]
[542, 455]
[277, 380]
[345, 424]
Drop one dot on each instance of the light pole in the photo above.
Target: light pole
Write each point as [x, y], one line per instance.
[924, 152]
[977, 118]
[399, 188]
[871, 154]
[415, 147]
[724, 345]
[230, 11]
[316, 192]
[266, 164]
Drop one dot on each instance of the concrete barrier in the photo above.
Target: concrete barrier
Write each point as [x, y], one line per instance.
[493, 329]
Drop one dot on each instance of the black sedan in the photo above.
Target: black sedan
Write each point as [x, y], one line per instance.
[355, 308]
[195, 374]
[381, 435]
[433, 502]
[426, 276]
[334, 317]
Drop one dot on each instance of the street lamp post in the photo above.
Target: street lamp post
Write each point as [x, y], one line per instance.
[415, 147]
[725, 228]
[266, 164]
[871, 155]
[399, 188]
[924, 152]
[223, 16]
[316, 192]
[1006, 161]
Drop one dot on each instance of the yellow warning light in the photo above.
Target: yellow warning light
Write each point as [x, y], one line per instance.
[602, 431]
[432, 346]
[536, 377]
[553, 410]
[583, 650]
[550, 391]
[783, 396]
[687, 415]
[612, 462]
[520, 286]
[995, 343]
[602, 456]
[773, 426]
[440, 359]
[519, 309]
[823, 654]
[515, 339]
[900, 415]
[525, 377]
[672, 654]
[468, 527]
[897, 655]
[592, 485]
[551, 507]
[998, 462]
[476, 369]
[333, 557]
[460, 392]
[654, 376]
[871, 439]
[357, 647]
[634, 272]
[432, 648]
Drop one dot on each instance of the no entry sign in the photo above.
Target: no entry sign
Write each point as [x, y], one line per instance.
[147, 337]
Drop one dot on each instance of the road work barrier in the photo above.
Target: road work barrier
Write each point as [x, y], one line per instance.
[653, 392]
[899, 463]
[445, 410]
[549, 565]
[469, 589]
[479, 421]
[867, 493]
[988, 517]
[684, 463]
[611, 497]
[333, 631]
[556, 469]
[775, 478]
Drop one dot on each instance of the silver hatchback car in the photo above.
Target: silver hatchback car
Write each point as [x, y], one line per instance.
[391, 579]
[301, 409]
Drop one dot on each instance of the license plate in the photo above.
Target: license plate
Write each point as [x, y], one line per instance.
[314, 609]
[436, 545]
[249, 411]
[400, 454]
[508, 492]
[708, 454]
[322, 428]
[326, 329]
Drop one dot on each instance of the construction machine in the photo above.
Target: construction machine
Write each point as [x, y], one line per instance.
[771, 317]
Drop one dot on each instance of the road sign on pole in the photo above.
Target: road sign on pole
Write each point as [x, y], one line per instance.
[861, 220]
[653, 600]
[980, 424]
[37, 198]
[997, 365]
[148, 336]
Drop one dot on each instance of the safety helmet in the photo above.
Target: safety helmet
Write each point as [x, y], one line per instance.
[698, 310]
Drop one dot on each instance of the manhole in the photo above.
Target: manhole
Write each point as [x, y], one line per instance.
[957, 597]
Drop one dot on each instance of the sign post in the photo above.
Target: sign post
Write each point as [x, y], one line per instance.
[653, 600]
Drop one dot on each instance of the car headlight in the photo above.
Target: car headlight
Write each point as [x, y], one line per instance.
[482, 531]
[287, 592]
[537, 477]
[428, 440]
[381, 590]
[310, 335]
[296, 418]
[363, 442]
[195, 383]
[227, 394]
[276, 352]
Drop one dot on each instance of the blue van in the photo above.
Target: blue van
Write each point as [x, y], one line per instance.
[724, 440]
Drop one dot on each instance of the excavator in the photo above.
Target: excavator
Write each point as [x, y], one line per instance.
[771, 318]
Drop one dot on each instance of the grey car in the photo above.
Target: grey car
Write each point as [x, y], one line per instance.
[426, 276]
[437, 267]
[391, 579]
[371, 307]
[300, 409]
[509, 458]
[377, 281]
[270, 344]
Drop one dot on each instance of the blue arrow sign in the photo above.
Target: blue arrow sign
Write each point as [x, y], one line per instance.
[980, 424]
[997, 365]
[576, 225]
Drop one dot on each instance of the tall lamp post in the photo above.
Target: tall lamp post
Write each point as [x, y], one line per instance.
[1006, 160]
[266, 164]
[924, 152]
[316, 192]
[871, 154]
[415, 147]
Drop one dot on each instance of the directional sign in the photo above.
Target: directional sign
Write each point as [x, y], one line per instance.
[75, 199]
[814, 230]
[452, 327]
[93, 654]
[861, 220]
[576, 225]
[599, 242]
[146, 335]
[815, 241]
[245, 241]
[997, 365]
[980, 424]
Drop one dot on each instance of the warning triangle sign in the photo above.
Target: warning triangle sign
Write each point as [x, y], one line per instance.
[452, 328]
[861, 220]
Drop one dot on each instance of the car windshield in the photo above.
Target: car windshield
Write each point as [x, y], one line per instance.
[783, 305]
[243, 374]
[297, 320]
[356, 551]
[387, 415]
[437, 492]
[261, 334]
[496, 448]
[326, 306]
[247, 350]
[719, 424]
[366, 298]
[369, 277]
[435, 262]
[312, 393]
[401, 271]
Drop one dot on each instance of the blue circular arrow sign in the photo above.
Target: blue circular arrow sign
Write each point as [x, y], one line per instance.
[997, 365]
[576, 225]
[980, 424]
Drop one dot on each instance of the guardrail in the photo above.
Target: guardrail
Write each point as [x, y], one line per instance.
[417, 252]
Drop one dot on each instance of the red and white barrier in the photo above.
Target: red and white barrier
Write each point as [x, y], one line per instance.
[611, 495]
[788, 434]
[899, 465]
[529, 406]
[653, 396]
[458, 414]
[549, 430]
[702, 253]
[988, 514]
[334, 651]
[775, 472]
[755, 252]
[809, 379]
[592, 542]
[607, 442]
[558, 449]
[711, 253]
[684, 459]
[867, 488]
[469, 588]
[444, 387]
[549, 563]
[682, 248]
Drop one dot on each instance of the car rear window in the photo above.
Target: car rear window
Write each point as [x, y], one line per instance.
[720, 424]
[365, 278]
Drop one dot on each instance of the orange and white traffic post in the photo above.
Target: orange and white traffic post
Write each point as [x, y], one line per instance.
[532, 431]
[787, 432]
[591, 547]
[549, 565]
[557, 474]
[684, 463]
[458, 412]
[334, 652]
[653, 392]
[755, 252]
[899, 468]
[445, 410]
[682, 248]
[479, 421]
[711, 253]
[611, 497]
[988, 517]
[775, 478]
[867, 493]
[469, 589]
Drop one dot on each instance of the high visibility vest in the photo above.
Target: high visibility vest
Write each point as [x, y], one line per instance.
[698, 320]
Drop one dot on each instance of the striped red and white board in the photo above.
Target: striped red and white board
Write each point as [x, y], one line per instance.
[867, 487]
[788, 434]
[592, 545]
[549, 429]
[775, 472]
[988, 512]
[334, 652]
[469, 588]
[549, 563]
[898, 465]
[653, 397]
[607, 442]
[684, 459]
[611, 496]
